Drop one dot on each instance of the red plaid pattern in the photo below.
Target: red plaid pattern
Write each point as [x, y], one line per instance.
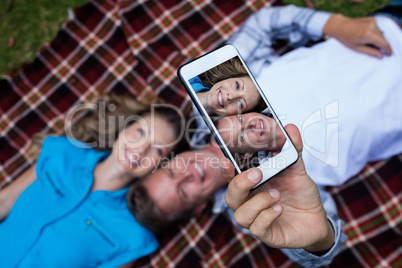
[370, 204]
[136, 47]
[115, 45]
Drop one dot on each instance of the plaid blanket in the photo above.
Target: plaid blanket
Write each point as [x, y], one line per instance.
[136, 46]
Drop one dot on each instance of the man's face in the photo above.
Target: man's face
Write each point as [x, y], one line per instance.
[186, 182]
[248, 132]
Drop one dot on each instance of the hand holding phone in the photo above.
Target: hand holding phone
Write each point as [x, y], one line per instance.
[237, 112]
[293, 203]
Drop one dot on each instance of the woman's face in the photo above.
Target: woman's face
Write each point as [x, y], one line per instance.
[141, 147]
[233, 96]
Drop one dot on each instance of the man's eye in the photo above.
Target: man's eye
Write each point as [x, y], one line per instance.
[241, 137]
[237, 85]
[141, 131]
[240, 119]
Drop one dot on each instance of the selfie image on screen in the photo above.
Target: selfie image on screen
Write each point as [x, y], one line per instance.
[239, 113]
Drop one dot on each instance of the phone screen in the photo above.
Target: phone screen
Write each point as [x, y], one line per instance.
[240, 114]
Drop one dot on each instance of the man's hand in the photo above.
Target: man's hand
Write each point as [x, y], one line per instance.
[285, 212]
[361, 34]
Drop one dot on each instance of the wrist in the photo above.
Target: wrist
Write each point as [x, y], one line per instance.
[333, 24]
[324, 245]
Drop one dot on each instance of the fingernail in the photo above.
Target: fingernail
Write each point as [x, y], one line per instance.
[277, 207]
[274, 193]
[253, 175]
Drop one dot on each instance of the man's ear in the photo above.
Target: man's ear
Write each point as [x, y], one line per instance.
[198, 209]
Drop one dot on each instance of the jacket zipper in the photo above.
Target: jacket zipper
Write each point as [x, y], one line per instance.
[90, 224]
[53, 185]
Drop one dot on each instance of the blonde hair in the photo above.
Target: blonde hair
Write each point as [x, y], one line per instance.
[97, 127]
[229, 69]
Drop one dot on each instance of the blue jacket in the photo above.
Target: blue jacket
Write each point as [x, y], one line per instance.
[197, 85]
[58, 222]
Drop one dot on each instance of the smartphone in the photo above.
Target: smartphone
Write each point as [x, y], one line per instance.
[237, 112]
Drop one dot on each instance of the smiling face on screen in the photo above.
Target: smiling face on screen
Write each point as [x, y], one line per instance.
[250, 132]
[232, 96]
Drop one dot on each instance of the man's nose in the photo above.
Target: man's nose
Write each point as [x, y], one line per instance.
[252, 124]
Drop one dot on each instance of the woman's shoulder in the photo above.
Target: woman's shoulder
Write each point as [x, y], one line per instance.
[61, 147]
[63, 142]
[197, 85]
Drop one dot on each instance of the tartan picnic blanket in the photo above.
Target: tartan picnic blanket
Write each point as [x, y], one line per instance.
[136, 47]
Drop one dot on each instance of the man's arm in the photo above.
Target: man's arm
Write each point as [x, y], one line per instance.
[361, 34]
[286, 212]
[317, 259]
[299, 25]
[10, 194]
[266, 26]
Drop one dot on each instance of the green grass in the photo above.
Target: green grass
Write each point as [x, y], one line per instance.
[346, 7]
[32, 23]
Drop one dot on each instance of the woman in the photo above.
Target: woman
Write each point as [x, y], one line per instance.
[70, 209]
[227, 89]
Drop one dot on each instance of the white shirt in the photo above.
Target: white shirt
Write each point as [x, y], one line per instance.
[347, 105]
[200, 138]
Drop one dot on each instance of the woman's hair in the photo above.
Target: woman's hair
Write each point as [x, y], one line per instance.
[100, 127]
[261, 106]
[229, 69]
[147, 213]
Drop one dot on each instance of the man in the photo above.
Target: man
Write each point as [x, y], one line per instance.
[287, 212]
[345, 103]
[340, 99]
[254, 43]
[250, 133]
[188, 181]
